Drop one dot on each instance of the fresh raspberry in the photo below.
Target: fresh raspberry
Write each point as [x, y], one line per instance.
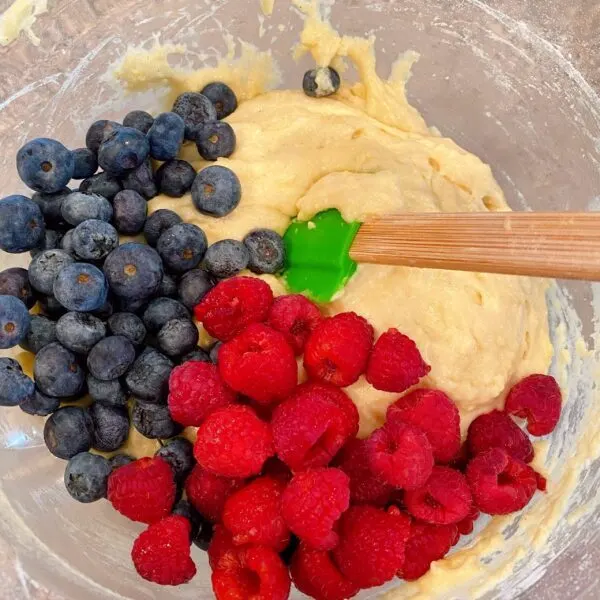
[426, 544]
[260, 364]
[233, 442]
[315, 574]
[500, 483]
[371, 548]
[401, 455]
[295, 316]
[444, 499]
[466, 526]
[365, 486]
[395, 363]
[161, 554]
[312, 504]
[434, 413]
[277, 469]
[497, 430]
[143, 490]
[208, 492]
[338, 349]
[253, 514]
[232, 305]
[538, 399]
[221, 547]
[195, 390]
[311, 426]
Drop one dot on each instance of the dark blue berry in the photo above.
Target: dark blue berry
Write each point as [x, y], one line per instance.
[168, 287]
[134, 271]
[138, 119]
[197, 354]
[222, 97]
[40, 405]
[14, 322]
[79, 332]
[50, 241]
[184, 509]
[86, 477]
[216, 191]
[161, 310]
[166, 136]
[226, 258]
[94, 240]
[50, 205]
[106, 392]
[124, 149]
[131, 305]
[57, 372]
[68, 431]
[66, 243]
[81, 287]
[44, 268]
[267, 251]
[120, 460]
[175, 177]
[45, 165]
[179, 453]
[128, 325]
[15, 386]
[148, 378]
[215, 140]
[15, 282]
[98, 131]
[154, 421]
[177, 337]
[214, 352]
[193, 286]
[130, 210]
[21, 224]
[141, 180]
[78, 207]
[158, 222]
[102, 184]
[111, 426]
[321, 82]
[111, 357]
[195, 109]
[86, 163]
[182, 247]
[42, 331]
[105, 310]
[51, 307]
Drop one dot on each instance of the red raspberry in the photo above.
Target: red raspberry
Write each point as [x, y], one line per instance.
[233, 442]
[253, 514]
[338, 349]
[221, 547]
[365, 487]
[538, 399]
[401, 455]
[232, 305]
[143, 490]
[497, 430]
[371, 548]
[434, 413]
[395, 363]
[500, 483]
[312, 504]
[260, 364]
[444, 499]
[208, 492]
[161, 554]
[466, 526]
[295, 316]
[311, 426]
[426, 544]
[315, 574]
[195, 390]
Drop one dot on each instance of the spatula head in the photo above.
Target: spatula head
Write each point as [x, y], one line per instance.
[318, 262]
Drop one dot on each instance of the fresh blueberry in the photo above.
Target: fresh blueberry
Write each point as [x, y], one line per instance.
[184, 509]
[193, 286]
[102, 184]
[15, 386]
[81, 287]
[214, 352]
[51, 307]
[148, 378]
[134, 271]
[215, 140]
[50, 205]
[42, 331]
[111, 426]
[179, 453]
[128, 325]
[68, 431]
[168, 287]
[131, 305]
[21, 224]
[175, 177]
[57, 372]
[45, 165]
[44, 268]
[216, 191]
[14, 322]
[15, 282]
[130, 211]
[161, 310]
[106, 310]
[226, 258]
[106, 392]
[40, 405]
[267, 251]
[111, 357]
[79, 332]
[321, 82]
[178, 337]
[203, 538]
[78, 207]
[166, 136]
[86, 477]
[158, 222]
[182, 247]
[86, 163]
[94, 240]
[197, 354]
[124, 149]
[141, 180]
[138, 119]
[154, 420]
[120, 460]
[50, 241]
[97, 133]
[66, 243]
[195, 109]
[222, 97]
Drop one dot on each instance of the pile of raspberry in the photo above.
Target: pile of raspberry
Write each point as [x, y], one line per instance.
[293, 495]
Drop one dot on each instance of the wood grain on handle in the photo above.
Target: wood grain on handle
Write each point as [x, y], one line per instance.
[561, 245]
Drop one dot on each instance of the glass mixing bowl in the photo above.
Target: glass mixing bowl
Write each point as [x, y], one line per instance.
[485, 80]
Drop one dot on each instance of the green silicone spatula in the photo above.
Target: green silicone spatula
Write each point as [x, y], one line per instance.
[322, 254]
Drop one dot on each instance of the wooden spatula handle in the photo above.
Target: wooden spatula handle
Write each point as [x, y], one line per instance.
[561, 245]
